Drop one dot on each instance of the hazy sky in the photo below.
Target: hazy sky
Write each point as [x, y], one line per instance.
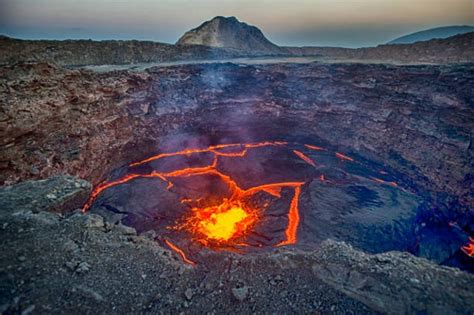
[350, 23]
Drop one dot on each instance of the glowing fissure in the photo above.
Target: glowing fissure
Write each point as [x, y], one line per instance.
[344, 157]
[180, 252]
[293, 220]
[381, 181]
[305, 158]
[227, 223]
[96, 192]
[232, 219]
[468, 249]
[213, 149]
[314, 147]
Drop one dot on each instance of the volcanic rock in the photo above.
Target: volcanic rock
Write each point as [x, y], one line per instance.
[76, 99]
[413, 121]
[126, 230]
[228, 32]
[83, 267]
[93, 221]
[58, 193]
[381, 281]
[189, 294]
[28, 310]
[240, 294]
[88, 293]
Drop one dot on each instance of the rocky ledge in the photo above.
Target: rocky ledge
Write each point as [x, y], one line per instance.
[76, 262]
[88, 52]
[224, 38]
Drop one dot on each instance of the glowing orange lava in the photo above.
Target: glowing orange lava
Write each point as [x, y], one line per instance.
[221, 223]
[313, 147]
[381, 181]
[214, 149]
[304, 157]
[180, 252]
[227, 223]
[468, 249]
[293, 220]
[233, 218]
[344, 157]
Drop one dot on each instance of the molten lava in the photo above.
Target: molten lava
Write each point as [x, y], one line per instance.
[214, 149]
[468, 249]
[344, 157]
[313, 147]
[220, 207]
[294, 220]
[381, 181]
[225, 219]
[305, 158]
[226, 223]
[222, 222]
[223, 225]
[180, 252]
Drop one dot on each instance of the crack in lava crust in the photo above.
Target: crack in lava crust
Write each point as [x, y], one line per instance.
[468, 249]
[227, 223]
[180, 252]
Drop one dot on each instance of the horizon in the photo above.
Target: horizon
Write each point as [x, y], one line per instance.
[351, 24]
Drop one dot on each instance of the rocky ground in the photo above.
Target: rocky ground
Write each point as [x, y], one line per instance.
[79, 263]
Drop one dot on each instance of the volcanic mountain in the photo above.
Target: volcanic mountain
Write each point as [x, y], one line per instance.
[228, 32]
[433, 33]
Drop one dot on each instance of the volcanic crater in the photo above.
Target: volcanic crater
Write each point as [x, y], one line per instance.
[251, 158]
[265, 167]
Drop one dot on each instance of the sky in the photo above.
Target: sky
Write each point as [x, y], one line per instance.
[349, 23]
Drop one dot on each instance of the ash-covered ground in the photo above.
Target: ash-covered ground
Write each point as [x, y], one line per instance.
[414, 123]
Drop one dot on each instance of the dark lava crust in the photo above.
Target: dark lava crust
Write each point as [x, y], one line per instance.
[341, 199]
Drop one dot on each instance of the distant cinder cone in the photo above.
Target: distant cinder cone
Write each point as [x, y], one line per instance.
[228, 32]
